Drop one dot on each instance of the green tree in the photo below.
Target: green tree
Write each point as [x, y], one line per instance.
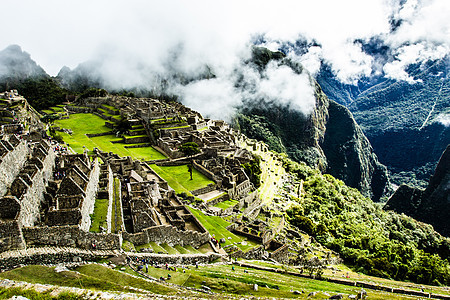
[189, 148]
[253, 171]
[123, 125]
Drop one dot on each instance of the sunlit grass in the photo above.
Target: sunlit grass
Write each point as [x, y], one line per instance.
[179, 179]
[82, 124]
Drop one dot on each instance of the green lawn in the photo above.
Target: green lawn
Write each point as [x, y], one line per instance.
[217, 226]
[179, 178]
[226, 204]
[82, 124]
[98, 218]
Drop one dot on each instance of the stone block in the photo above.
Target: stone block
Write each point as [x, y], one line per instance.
[70, 187]
[9, 207]
[18, 187]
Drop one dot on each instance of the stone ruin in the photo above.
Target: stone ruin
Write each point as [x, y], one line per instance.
[47, 197]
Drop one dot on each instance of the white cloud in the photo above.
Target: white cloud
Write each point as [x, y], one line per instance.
[215, 98]
[411, 54]
[282, 85]
[444, 119]
[134, 40]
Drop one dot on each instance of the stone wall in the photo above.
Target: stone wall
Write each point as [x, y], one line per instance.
[33, 197]
[135, 140]
[209, 188]
[179, 259]
[248, 200]
[11, 236]
[221, 198]
[168, 234]
[11, 164]
[89, 135]
[281, 255]
[203, 170]
[91, 193]
[70, 236]
[78, 109]
[110, 198]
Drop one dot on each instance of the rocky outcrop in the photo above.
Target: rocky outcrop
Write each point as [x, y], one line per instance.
[431, 205]
[350, 156]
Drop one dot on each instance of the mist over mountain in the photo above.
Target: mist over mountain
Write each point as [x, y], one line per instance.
[16, 65]
[363, 55]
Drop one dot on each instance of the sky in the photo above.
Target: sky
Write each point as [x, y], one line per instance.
[132, 38]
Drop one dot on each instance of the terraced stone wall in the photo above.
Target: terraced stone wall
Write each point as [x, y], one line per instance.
[70, 236]
[168, 234]
[11, 236]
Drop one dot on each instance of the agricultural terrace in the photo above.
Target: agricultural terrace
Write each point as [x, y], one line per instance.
[217, 227]
[272, 173]
[179, 179]
[82, 124]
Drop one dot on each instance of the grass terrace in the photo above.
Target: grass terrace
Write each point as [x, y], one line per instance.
[217, 226]
[98, 218]
[116, 217]
[110, 107]
[179, 179]
[226, 204]
[82, 124]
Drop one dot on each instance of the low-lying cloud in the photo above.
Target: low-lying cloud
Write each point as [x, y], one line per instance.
[139, 43]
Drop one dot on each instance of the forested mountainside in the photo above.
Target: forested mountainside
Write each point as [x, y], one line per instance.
[375, 241]
[404, 121]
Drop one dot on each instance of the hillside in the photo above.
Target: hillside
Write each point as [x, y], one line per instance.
[400, 117]
[429, 205]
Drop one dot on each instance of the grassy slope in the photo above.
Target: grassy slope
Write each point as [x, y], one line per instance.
[99, 216]
[82, 124]
[220, 278]
[91, 276]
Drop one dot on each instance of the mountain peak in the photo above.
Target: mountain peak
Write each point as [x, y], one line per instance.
[17, 64]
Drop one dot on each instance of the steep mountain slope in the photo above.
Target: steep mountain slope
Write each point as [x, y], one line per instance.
[431, 205]
[401, 118]
[328, 138]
